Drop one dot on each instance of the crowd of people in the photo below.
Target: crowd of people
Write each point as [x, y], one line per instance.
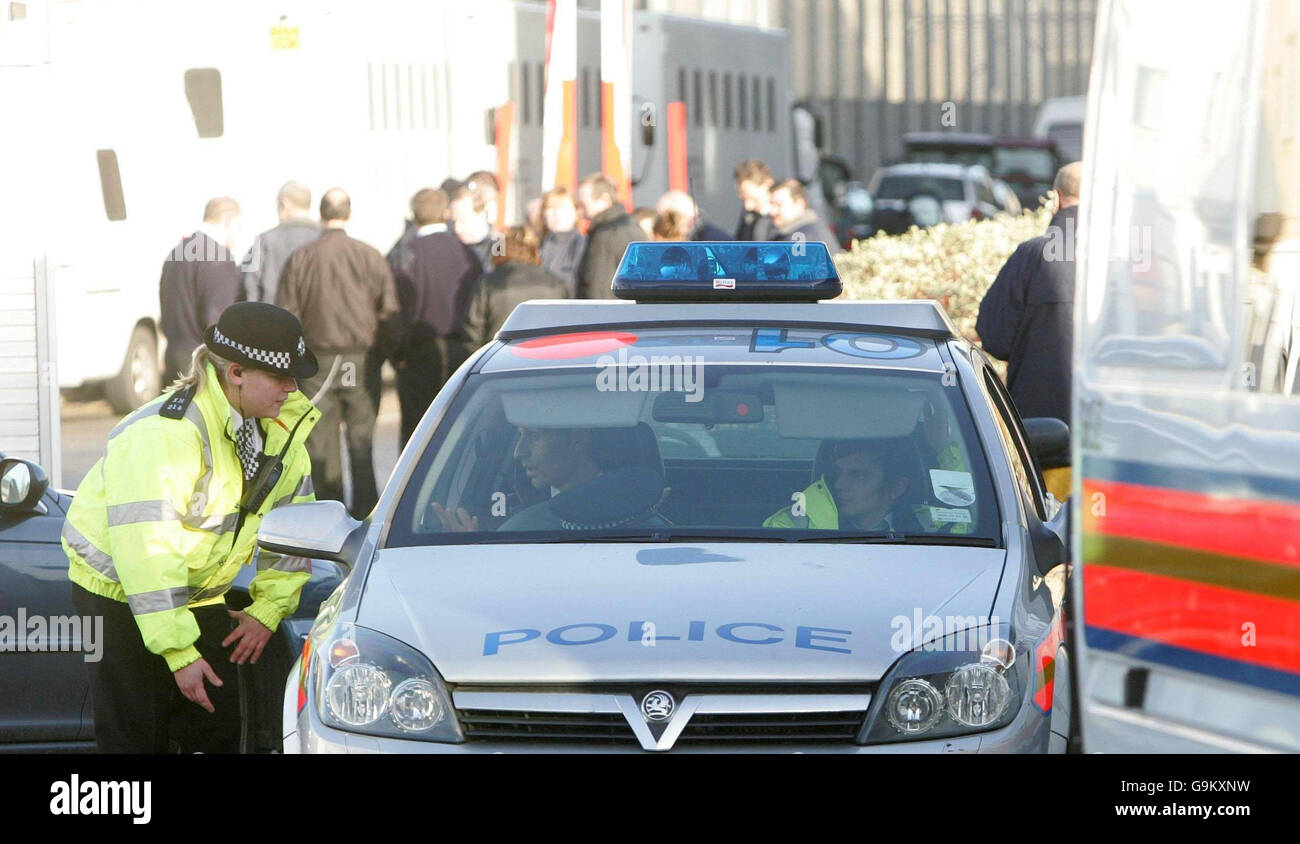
[442, 291]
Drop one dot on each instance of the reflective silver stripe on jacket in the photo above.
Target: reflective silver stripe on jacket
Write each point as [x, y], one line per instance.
[287, 562]
[304, 487]
[92, 556]
[210, 592]
[159, 600]
[135, 512]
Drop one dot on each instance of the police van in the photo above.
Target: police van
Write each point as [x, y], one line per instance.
[1187, 344]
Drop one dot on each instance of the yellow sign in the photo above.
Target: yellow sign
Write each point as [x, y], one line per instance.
[284, 38]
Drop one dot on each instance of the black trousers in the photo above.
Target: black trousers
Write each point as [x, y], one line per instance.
[347, 401]
[138, 706]
[374, 376]
[429, 363]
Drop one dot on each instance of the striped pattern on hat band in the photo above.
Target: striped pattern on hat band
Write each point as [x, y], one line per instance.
[278, 360]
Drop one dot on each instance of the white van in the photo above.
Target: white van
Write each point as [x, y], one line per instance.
[1061, 119]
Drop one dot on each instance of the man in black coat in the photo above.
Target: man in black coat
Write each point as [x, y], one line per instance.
[795, 220]
[200, 279]
[1027, 316]
[516, 278]
[612, 229]
[271, 249]
[434, 275]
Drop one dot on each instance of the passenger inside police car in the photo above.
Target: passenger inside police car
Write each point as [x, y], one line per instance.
[860, 484]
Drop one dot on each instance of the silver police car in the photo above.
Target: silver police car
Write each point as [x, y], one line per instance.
[717, 514]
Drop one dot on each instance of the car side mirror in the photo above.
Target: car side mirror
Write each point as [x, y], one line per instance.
[1050, 548]
[22, 483]
[319, 529]
[1049, 440]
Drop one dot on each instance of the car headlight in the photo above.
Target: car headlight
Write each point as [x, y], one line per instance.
[954, 686]
[370, 683]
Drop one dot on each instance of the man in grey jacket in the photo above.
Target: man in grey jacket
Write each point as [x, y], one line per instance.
[271, 249]
[612, 229]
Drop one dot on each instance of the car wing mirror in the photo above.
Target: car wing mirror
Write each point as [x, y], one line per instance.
[22, 483]
[320, 529]
[1049, 440]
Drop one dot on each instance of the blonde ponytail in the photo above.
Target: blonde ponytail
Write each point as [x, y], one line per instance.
[198, 374]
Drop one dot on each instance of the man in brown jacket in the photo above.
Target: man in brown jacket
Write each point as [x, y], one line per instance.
[343, 292]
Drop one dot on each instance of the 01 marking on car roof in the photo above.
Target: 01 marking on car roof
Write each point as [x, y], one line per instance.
[874, 346]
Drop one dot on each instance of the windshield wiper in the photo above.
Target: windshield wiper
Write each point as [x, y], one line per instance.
[669, 536]
[639, 536]
[901, 539]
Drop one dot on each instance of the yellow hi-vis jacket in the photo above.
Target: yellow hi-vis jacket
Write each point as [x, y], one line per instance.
[820, 513]
[153, 523]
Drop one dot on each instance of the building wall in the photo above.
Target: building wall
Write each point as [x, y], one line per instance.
[875, 69]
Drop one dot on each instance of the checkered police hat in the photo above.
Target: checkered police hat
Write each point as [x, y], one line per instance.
[263, 336]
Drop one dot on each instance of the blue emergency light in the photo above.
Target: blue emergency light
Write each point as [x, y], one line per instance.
[740, 271]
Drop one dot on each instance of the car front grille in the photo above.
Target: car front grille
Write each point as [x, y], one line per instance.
[775, 726]
[521, 725]
[723, 717]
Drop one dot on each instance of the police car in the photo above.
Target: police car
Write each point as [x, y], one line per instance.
[717, 514]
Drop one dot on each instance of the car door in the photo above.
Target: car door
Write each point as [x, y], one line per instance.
[43, 693]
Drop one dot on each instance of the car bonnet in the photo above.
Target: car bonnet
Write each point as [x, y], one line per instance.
[709, 611]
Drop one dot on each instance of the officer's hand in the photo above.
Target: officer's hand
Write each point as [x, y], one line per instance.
[252, 636]
[190, 680]
[458, 519]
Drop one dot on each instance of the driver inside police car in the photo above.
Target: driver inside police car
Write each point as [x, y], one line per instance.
[581, 468]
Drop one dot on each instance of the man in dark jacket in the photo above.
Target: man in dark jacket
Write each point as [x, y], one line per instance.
[199, 280]
[516, 278]
[376, 356]
[271, 249]
[1027, 316]
[343, 292]
[610, 233]
[562, 243]
[754, 187]
[434, 278]
[795, 220]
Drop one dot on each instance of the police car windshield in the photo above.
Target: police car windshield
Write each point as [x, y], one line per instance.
[631, 451]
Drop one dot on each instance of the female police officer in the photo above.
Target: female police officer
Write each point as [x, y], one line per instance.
[163, 522]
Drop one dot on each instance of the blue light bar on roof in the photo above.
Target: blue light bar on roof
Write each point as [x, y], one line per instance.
[738, 271]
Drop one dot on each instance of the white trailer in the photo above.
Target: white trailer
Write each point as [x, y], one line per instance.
[134, 113]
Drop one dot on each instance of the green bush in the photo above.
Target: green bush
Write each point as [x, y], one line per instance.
[954, 264]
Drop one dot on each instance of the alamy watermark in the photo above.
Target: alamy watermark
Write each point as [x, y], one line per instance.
[941, 633]
[57, 633]
[75, 796]
[653, 374]
[1061, 246]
